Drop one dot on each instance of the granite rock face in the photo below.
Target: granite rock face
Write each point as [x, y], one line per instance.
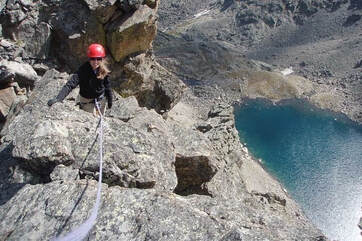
[140, 27]
[16, 78]
[66, 28]
[22, 73]
[59, 32]
[53, 139]
[136, 214]
[154, 86]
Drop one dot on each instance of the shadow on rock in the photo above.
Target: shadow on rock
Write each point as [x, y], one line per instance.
[12, 176]
[60, 230]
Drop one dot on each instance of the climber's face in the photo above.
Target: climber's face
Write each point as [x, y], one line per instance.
[94, 62]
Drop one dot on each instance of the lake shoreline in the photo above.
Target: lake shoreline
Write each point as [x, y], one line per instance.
[254, 109]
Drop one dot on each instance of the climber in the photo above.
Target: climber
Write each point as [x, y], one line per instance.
[93, 81]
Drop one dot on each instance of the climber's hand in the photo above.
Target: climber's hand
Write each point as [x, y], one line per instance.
[52, 102]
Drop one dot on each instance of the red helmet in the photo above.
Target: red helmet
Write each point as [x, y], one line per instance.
[96, 51]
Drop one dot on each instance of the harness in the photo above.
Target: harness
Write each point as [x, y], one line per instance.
[93, 101]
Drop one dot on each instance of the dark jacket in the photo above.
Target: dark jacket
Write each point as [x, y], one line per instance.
[90, 86]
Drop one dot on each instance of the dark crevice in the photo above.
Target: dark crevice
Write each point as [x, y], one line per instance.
[355, 5]
[272, 198]
[352, 20]
[192, 174]
[9, 167]
[41, 172]
[204, 128]
[111, 179]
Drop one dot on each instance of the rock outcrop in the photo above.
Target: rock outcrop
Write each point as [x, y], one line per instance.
[44, 138]
[153, 85]
[134, 35]
[62, 30]
[163, 178]
[22, 73]
[15, 79]
[7, 97]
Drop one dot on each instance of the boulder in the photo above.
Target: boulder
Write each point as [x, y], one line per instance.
[9, 50]
[132, 35]
[133, 76]
[125, 110]
[64, 173]
[14, 110]
[136, 155]
[125, 214]
[104, 10]
[195, 162]
[6, 76]
[161, 91]
[7, 97]
[168, 89]
[65, 28]
[36, 37]
[56, 208]
[94, 5]
[152, 85]
[22, 73]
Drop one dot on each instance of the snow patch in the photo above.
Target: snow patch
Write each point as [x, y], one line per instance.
[287, 71]
[201, 13]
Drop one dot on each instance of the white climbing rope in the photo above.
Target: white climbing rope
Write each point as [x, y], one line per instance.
[82, 231]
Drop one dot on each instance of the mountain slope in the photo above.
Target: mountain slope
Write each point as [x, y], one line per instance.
[320, 40]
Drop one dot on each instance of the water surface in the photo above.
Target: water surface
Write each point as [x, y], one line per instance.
[315, 154]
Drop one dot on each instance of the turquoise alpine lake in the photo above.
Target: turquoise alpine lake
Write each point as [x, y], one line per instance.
[315, 154]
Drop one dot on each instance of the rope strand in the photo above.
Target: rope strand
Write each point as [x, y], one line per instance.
[82, 231]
